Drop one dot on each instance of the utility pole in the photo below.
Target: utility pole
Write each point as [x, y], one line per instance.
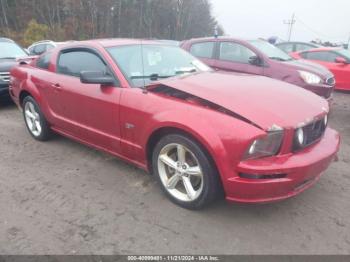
[290, 24]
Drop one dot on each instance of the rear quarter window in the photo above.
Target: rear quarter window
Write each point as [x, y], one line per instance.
[204, 50]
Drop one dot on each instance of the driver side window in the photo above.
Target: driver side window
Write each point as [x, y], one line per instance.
[320, 56]
[234, 52]
[73, 62]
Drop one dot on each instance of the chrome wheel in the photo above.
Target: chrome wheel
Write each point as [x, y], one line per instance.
[32, 118]
[180, 172]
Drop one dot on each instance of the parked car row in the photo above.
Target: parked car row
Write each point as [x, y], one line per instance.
[258, 57]
[327, 70]
[336, 60]
[202, 133]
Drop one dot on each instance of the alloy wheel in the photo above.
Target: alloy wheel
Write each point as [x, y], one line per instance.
[32, 118]
[180, 172]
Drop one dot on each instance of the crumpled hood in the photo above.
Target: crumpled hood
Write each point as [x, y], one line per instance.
[264, 101]
[309, 67]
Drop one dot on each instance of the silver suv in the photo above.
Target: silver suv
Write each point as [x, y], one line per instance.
[10, 52]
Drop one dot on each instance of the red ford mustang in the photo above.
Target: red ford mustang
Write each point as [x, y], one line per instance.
[199, 132]
[336, 60]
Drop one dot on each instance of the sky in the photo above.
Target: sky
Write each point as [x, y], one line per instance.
[328, 20]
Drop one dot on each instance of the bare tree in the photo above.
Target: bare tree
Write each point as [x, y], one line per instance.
[82, 19]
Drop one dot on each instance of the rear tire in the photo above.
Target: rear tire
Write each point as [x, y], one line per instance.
[185, 172]
[35, 120]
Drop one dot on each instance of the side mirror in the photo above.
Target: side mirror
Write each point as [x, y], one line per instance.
[96, 77]
[254, 60]
[341, 60]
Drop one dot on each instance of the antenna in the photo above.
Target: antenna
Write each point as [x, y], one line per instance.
[143, 70]
[216, 32]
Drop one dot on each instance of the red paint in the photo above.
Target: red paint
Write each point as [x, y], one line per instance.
[287, 71]
[99, 117]
[341, 70]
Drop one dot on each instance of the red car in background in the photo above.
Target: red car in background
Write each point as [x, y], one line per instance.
[336, 60]
[258, 57]
[198, 131]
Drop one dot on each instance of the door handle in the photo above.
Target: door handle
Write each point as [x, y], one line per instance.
[57, 87]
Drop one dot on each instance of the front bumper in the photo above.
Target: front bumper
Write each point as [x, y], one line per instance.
[321, 90]
[302, 170]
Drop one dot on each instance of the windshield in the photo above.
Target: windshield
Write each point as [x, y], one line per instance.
[270, 50]
[345, 53]
[157, 62]
[11, 50]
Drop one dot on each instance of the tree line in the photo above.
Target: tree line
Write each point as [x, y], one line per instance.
[32, 20]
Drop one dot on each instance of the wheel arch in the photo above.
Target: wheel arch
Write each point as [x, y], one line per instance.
[22, 95]
[159, 133]
[28, 89]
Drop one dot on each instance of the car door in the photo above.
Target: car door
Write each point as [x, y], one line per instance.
[90, 112]
[42, 79]
[235, 57]
[327, 59]
[204, 51]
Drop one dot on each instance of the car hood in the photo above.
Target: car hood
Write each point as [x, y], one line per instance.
[7, 64]
[264, 101]
[309, 67]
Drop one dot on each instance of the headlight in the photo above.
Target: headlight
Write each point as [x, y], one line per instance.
[264, 147]
[325, 121]
[300, 136]
[310, 78]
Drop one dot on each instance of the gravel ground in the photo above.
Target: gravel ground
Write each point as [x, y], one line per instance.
[61, 197]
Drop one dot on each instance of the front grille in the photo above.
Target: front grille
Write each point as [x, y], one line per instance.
[313, 132]
[5, 76]
[330, 81]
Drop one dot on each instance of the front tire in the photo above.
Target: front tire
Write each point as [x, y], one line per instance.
[185, 172]
[35, 120]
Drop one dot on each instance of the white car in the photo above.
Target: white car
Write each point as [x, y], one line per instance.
[41, 47]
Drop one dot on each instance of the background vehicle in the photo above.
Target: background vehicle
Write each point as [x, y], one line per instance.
[169, 42]
[160, 108]
[337, 61]
[258, 57]
[41, 47]
[9, 52]
[290, 47]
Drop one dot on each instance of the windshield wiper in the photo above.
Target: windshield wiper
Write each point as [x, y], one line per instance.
[155, 77]
[180, 72]
[152, 77]
[280, 59]
[7, 57]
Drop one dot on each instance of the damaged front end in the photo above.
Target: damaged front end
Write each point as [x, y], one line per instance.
[193, 99]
